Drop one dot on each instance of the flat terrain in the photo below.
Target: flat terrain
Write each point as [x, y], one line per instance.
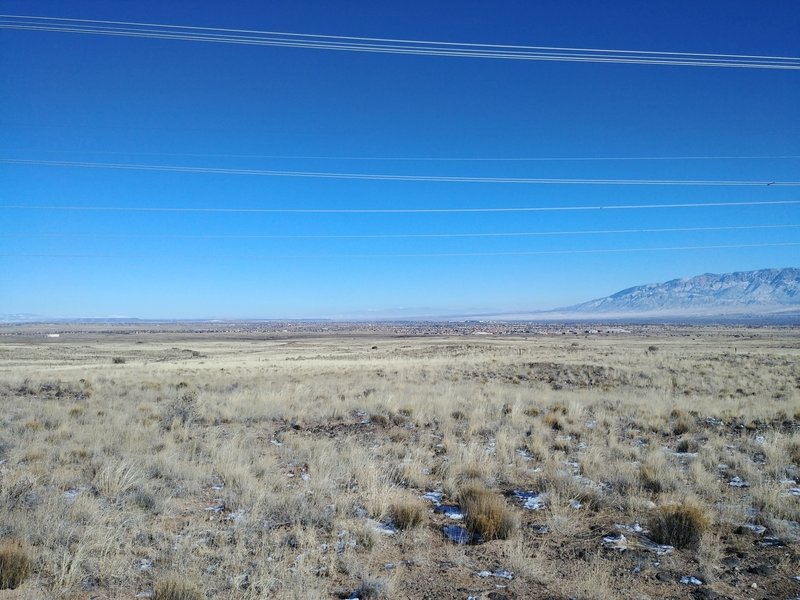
[288, 461]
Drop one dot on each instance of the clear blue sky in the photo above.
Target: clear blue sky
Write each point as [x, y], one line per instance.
[70, 97]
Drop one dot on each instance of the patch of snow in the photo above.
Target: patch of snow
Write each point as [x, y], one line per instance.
[615, 542]
[500, 573]
[434, 496]
[530, 500]
[450, 510]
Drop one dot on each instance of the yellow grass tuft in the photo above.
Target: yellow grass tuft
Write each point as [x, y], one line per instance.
[176, 589]
[681, 525]
[15, 564]
[407, 512]
[486, 513]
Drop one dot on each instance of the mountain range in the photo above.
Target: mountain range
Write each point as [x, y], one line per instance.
[771, 294]
[766, 291]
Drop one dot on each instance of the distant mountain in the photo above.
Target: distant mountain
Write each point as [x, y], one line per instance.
[19, 318]
[760, 292]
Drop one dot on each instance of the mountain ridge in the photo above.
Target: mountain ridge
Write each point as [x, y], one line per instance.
[741, 292]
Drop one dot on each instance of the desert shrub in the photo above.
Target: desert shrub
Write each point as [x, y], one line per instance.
[486, 513]
[181, 411]
[15, 564]
[681, 422]
[379, 420]
[370, 589]
[687, 445]
[553, 421]
[793, 451]
[680, 525]
[118, 360]
[407, 512]
[176, 589]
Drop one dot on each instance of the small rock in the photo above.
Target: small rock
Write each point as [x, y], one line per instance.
[731, 561]
[763, 569]
[772, 542]
[752, 528]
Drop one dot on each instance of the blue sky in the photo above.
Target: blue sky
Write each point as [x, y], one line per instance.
[82, 98]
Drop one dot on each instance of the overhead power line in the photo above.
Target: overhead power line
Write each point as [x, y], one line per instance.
[391, 45]
[409, 255]
[420, 158]
[392, 177]
[493, 209]
[189, 236]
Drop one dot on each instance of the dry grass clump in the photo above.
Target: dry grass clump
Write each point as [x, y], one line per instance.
[680, 422]
[15, 564]
[407, 512]
[176, 589]
[681, 525]
[486, 513]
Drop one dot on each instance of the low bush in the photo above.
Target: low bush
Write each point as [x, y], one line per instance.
[176, 589]
[15, 564]
[680, 525]
[407, 513]
[486, 513]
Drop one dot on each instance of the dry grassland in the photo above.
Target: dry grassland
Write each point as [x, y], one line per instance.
[143, 466]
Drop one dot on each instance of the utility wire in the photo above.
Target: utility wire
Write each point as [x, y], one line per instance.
[420, 158]
[180, 236]
[390, 45]
[390, 177]
[409, 255]
[508, 209]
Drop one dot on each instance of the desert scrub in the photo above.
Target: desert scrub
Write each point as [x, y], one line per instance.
[15, 564]
[486, 513]
[680, 525]
[176, 589]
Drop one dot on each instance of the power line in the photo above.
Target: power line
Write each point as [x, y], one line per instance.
[181, 236]
[390, 45]
[391, 177]
[508, 209]
[411, 255]
[424, 158]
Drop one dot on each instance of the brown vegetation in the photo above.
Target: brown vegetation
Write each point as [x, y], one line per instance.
[262, 468]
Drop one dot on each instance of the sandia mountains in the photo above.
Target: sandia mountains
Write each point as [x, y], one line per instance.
[762, 292]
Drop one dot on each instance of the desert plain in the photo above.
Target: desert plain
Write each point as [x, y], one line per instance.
[387, 461]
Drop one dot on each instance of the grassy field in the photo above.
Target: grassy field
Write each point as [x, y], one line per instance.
[660, 464]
